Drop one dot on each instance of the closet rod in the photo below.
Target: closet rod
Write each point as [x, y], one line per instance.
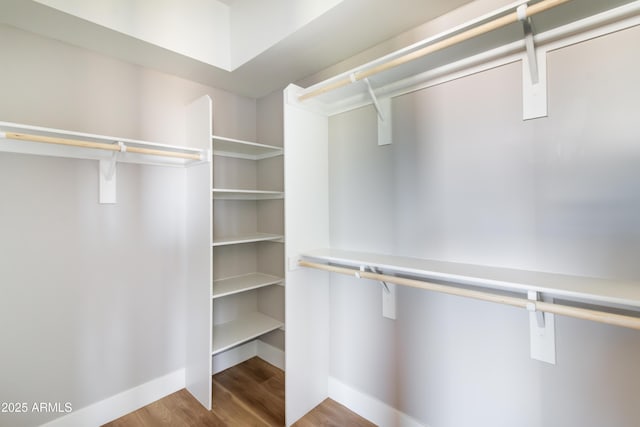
[98, 145]
[500, 22]
[564, 310]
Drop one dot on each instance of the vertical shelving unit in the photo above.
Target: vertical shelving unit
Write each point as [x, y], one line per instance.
[247, 237]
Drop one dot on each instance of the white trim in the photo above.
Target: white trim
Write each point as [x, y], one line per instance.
[234, 356]
[244, 352]
[123, 403]
[369, 407]
[271, 354]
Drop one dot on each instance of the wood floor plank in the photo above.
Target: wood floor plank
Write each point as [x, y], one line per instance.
[332, 414]
[231, 410]
[249, 382]
[250, 394]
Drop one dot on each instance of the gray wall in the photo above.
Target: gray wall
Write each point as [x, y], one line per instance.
[92, 296]
[467, 180]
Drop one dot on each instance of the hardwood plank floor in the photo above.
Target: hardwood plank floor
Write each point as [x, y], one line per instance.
[332, 414]
[250, 394]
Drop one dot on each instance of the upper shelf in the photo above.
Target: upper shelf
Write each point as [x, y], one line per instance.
[26, 139]
[229, 147]
[445, 55]
[235, 194]
[247, 238]
[614, 293]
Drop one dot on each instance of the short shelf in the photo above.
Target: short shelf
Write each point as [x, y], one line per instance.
[246, 282]
[246, 238]
[234, 194]
[248, 327]
[230, 147]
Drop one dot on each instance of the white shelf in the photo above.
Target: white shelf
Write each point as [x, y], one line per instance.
[598, 291]
[503, 44]
[229, 147]
[85, 146]
[246, 282]
[234, 194]
[247, 328]
[247, 238]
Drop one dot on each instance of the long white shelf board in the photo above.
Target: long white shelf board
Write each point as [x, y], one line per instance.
[504, 44]
[246, 238]
[235, 194]
[77, 152]
[592, 290]
[246, 282]
[230, 147]
[248, 327]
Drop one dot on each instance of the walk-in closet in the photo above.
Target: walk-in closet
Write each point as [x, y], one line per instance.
[418, 213]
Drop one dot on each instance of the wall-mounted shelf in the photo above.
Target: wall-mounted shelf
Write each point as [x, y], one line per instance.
[234, 194]
[26, 139]
[246, 282]
[247, 238]
[614, 293]
[229, 147]
[246, 328]
[538, 290]
[449, 55]
[107, 150]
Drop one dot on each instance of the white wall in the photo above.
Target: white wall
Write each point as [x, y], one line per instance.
[92, 296]
[467, 180]
[199, 29]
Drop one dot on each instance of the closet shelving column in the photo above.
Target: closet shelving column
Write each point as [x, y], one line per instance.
[238, 241]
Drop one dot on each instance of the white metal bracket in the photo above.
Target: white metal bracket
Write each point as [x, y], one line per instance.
[383, 109]
[108, 176]
[388, 294]
[534, 72]
[384, 124]
[388, 297]
[542, 331]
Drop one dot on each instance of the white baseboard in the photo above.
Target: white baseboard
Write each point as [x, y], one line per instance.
[128, 401]
[271, 354]
[239, 354]
[369, 407]
[234, 356]
[123, 403]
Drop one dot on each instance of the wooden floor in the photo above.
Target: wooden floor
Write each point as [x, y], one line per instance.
[249, 394]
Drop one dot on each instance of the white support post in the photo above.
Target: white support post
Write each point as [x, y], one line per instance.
[542, 332]
[389, 301]
[384, 122]
[107, 174]
[534, 72]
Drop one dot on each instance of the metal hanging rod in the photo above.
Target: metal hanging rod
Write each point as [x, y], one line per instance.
[121, 147]
[528, 304]
[500, 22]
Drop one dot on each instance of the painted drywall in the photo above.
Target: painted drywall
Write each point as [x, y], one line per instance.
[467, 180]
[93, 296]
[199, 29]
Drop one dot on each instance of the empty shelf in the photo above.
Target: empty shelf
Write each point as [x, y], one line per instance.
[229, 147]
[243, 283]
[247, 238]
[246, 328]
[233, 194]
[617, 293]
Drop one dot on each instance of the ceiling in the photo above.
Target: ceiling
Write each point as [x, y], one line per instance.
[302, 43]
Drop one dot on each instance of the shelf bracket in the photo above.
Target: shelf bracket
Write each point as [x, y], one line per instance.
[383, 109]
[534, 72]
[107, 174]
[542, 331]
[388, 294]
